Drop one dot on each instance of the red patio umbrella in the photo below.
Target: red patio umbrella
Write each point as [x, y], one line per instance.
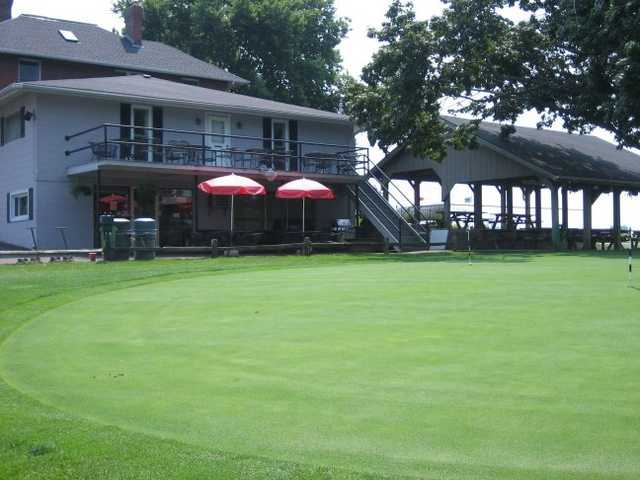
[114, 197]
[232, 185]
[305, 188]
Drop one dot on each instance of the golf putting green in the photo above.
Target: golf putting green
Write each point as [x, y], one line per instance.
[522, 369]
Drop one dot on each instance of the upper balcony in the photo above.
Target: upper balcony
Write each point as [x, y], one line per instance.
[116, 144]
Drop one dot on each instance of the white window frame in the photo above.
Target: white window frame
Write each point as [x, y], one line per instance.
[12, 213]
[287, 137]
[30, 60]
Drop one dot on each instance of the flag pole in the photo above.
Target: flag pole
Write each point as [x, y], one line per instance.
[468, 244]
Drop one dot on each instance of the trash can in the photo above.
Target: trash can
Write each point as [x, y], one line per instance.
[107, 236]
[145, 234]
[122, 239]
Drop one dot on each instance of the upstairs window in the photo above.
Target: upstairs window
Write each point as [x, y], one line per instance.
[12, 127]
[29, 71]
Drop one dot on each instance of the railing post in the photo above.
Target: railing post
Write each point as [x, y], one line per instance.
[400, 231]
[299, 149]
[204, 147]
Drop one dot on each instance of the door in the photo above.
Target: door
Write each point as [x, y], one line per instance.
[141, 120]
[219, 142]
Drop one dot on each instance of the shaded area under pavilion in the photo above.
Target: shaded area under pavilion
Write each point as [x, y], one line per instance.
[529, 160]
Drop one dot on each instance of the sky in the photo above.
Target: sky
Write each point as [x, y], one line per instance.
[356, 51]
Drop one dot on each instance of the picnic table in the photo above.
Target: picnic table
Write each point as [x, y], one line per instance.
[462, 219]
[608, 241]
[516, 219]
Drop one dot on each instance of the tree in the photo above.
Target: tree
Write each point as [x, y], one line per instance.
[287, 49]
[574, 61]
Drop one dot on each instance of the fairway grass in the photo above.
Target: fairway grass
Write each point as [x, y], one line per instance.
[519, 366]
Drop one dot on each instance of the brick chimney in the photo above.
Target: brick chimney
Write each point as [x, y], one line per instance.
[5, 10]
[133, 18]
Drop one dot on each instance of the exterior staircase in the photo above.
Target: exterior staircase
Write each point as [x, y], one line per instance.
[398, 226]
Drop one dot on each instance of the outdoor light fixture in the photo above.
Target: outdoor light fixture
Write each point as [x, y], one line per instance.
[28, 116]
[198, 121]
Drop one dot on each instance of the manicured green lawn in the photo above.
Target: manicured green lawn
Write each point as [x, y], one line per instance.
[517, 367]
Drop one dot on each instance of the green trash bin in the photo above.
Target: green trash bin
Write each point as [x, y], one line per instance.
[122, 239]
[145, 236]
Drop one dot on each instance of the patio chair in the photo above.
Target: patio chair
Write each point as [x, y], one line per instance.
[259, 158]
[103, 151]
[244, 159]
[346, 163]
[320, 162]
[178, 152]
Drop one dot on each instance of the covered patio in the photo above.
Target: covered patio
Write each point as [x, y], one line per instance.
[189, 217]
[527, 161]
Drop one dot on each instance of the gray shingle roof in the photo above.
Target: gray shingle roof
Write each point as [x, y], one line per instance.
[561, 155]
[39, 37]
[157, 91]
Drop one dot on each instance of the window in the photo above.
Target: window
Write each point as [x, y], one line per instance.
[29, 71]
[11, 128]
[19, 206]
[280, 135]
[69, 36]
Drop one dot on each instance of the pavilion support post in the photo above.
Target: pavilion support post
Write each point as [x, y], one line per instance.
[446, 212]
[565, 208]
[502, 189]
[587, 202]
[616, 219]
[509, 196]
[526, 193]
[556, 238]
[538, 207]
[477, 206]
[416, 197]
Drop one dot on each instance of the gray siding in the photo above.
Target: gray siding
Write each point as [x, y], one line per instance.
[17, 172]
[59, 116]
[460, 166]
[57, 206]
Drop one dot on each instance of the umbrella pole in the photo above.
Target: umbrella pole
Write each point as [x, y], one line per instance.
[231, 236]
[303, 219]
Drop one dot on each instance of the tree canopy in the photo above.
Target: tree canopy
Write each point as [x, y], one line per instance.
[287, 49]
[576, 61]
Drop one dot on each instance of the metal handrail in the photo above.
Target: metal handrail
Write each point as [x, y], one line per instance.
[402, 219]
[418, 234]
[390, 220]
[209, 134]
[381, 222]
[266, 153]
[389, 181]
